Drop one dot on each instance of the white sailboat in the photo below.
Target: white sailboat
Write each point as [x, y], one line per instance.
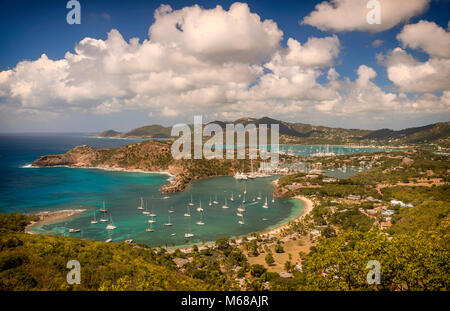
[108, 240]
[103, 210]
[110, 226]
[103, 218]
[129, 241]
[225, 205]
[150, 229]
[200, 209]
[232, 197]
[245, 189]
[273, 200]
[188, 213]
[146, 212]
[189, 234]
[200, 222]
[191, 203]
[94, 221]
[239, 214]
[241, 208]
[265, 204]
[240, 176]
[141, 207]
[259, 196]
[168, 223]
[210, 202]
[151, 221]
[152, 214]
[241, 222]
[215, 201]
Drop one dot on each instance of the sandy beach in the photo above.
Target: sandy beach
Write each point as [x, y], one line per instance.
[48, 217]
[308, 206]
[53, 216]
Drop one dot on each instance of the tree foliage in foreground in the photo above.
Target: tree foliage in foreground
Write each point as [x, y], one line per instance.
[38, 262]
[419, 261]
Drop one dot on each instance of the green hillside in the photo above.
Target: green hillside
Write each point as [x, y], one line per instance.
[38, 262]
[109, 133]
[154, 131]
[300, 133]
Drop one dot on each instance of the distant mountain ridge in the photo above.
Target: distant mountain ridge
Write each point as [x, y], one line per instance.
[305, 133]
[425, 133]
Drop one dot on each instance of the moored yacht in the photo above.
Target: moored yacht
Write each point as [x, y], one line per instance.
[225, 205]
[168, 223]
[110, 226]
[265, 204]
[200, 209]
[94, 221]
[141, 207]
[200, 222]
[188, 213]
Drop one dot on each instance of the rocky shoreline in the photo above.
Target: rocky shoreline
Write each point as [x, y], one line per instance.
[48, 217]
[147, 157]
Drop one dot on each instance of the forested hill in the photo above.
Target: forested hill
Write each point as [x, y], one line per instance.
[291, 132]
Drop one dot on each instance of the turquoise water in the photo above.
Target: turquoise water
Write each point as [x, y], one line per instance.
[122, 202]
[308, 150]
[27, 189]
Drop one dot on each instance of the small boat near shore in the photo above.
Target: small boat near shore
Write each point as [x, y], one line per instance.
[111, 225]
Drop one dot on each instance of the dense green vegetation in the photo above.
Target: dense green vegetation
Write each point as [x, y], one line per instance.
[419, 261]
[413, 250]
[38, 262]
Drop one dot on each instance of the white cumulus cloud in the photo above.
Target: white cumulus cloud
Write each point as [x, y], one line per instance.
[350, 15]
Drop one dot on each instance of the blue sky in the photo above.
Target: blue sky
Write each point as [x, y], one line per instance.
[32, 28]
